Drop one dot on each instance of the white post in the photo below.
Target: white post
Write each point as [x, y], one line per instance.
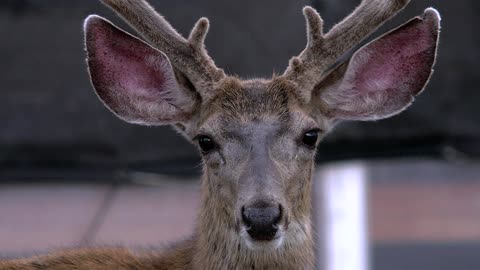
[342, 216]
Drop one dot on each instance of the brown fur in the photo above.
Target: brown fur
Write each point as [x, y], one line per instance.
[106, 258]
[258, 126]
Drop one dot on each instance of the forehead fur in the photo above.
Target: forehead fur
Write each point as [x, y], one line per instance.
[253, 99]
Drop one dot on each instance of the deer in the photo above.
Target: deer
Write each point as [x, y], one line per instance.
[257, 137]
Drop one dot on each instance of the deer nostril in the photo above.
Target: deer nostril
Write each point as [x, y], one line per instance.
[279, 216]
[261, 220]
[246, 219]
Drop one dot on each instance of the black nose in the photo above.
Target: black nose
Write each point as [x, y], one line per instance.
[261, 220]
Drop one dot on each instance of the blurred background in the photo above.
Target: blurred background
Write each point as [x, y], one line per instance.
[72, 174]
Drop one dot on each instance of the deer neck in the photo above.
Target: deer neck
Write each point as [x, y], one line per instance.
[219, 245]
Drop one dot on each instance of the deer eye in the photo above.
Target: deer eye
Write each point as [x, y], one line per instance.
[310, 137]
[206, 143]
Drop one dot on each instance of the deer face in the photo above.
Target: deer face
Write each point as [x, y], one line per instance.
[259, 157]
[258, 137]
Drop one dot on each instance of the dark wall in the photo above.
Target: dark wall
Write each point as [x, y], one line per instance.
[49, 111]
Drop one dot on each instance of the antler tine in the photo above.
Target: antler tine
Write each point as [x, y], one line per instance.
[323, 50]
[314, 27]
[198, 34]
[187, 56]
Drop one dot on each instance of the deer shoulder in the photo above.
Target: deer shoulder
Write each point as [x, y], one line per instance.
[177, 257]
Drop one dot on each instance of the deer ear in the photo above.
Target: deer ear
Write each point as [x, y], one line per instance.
[134, 80]
[383, 77]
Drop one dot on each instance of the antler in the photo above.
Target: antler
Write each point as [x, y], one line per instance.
[187, 55]
[323, 50]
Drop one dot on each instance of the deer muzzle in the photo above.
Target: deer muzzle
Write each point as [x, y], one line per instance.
[262, 220]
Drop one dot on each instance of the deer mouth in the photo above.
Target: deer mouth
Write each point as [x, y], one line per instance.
[271, 239]
[262, 233]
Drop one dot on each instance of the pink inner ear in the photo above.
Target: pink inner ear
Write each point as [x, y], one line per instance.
[400, 61]
[384, 76]
[133, 79]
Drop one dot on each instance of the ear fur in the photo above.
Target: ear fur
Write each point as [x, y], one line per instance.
[134, 80]
[383, 77]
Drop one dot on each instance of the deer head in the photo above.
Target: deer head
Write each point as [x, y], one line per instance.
[258, 137]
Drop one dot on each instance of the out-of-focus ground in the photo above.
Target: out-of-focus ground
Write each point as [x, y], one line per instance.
[414, 207]
[36, 216]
